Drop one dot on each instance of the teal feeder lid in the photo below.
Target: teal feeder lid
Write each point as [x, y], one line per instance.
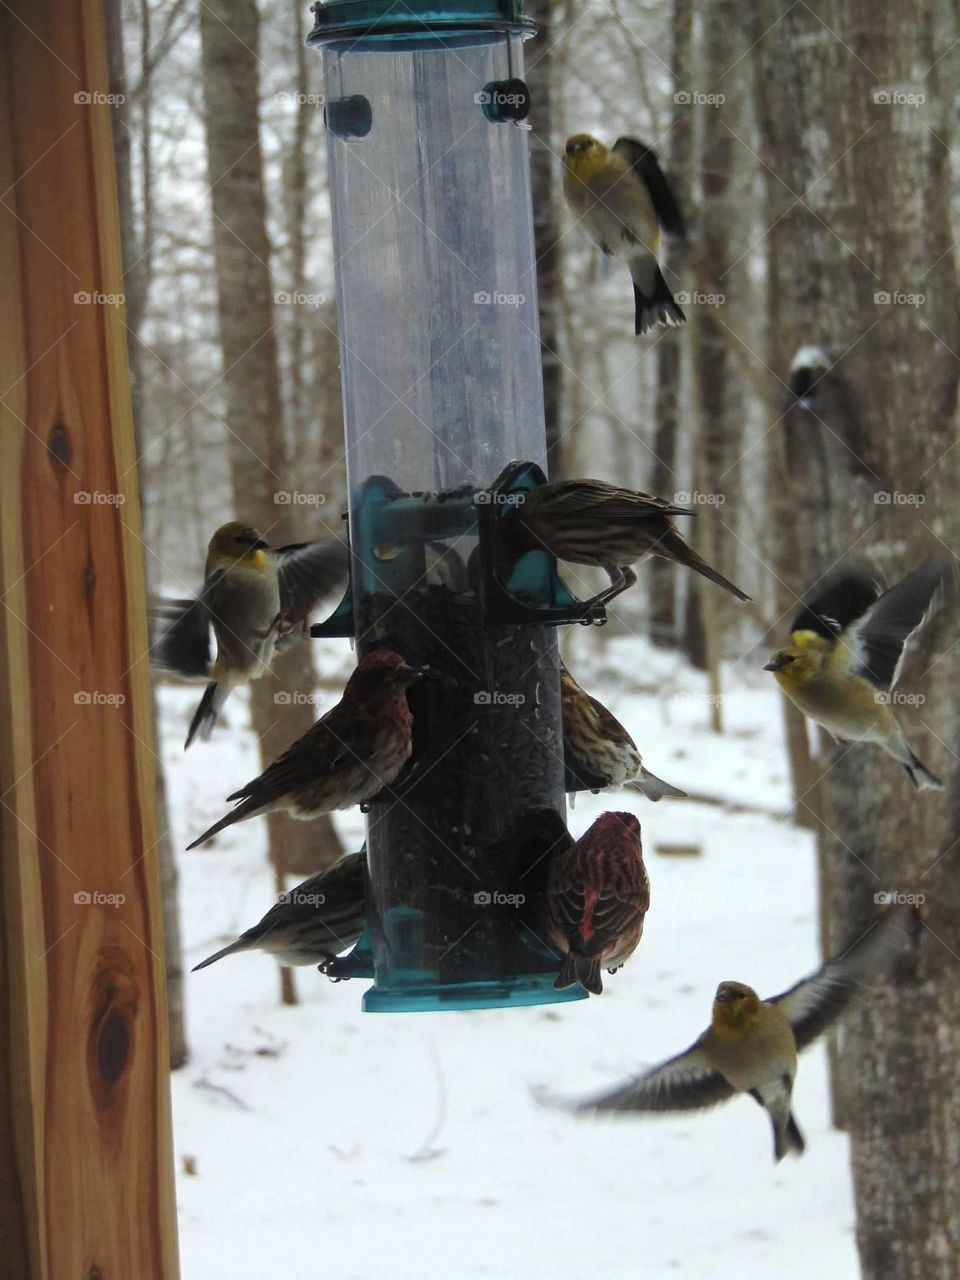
[390, 19]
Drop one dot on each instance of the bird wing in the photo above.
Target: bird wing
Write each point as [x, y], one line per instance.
[607, 499]
[873, 647]
[684, 1083]
[612, 916]
[308, 571]
[643, 160]
[840, 598]
[180, 637]
[816, 1001]
[333, 900]
[319, 752]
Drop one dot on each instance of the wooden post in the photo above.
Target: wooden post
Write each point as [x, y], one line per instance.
[86, 1175]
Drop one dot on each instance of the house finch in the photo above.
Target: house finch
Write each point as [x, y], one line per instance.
[354, 751]
[591, 522]
[313, 923]
[622, 199]
[254, 598]
[597, 896]
[847, 655]
[751, 1044]
[597, 750]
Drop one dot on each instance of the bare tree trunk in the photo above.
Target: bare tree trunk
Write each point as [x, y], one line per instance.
[840, 143]
[136, 273]
[229, 31]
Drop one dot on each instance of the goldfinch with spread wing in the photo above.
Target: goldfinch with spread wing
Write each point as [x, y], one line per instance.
[254, 598]
[622, 198]
[751, 1044]
[847, 653]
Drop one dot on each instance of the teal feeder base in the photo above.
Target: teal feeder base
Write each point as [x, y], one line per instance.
[505, 993]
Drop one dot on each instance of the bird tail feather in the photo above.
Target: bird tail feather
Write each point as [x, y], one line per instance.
[239, 945]
[655, 788]
[657, 307]
[921, 777]
[244, 810]
[582, 969]
[788, 1138]
[205, 716]
[673, 547]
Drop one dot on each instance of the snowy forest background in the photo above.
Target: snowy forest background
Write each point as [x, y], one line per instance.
[811, 146]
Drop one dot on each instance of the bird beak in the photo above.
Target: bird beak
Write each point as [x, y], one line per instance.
[260, 545]
[411, 674]
[772, 666]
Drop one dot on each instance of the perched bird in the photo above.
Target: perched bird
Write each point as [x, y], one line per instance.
[592, 522]
[623, 199]
[597, 896]
[751, 1044]
[807, 368]
[254, 599]
[359, 747]
[597, 750]
[312, 923]
[847, 653]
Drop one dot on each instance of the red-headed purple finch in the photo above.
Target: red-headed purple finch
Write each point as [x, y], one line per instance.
[592, 522]
[597, 896]
[353, 752]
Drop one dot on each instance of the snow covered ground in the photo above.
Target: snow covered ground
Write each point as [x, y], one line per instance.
[327, 1142]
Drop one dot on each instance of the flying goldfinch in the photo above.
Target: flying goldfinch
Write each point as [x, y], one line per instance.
[598, 894]
[847, 654]
[751, 1044]
[622, 198]
[312, 923]
[359, 747]
[597, 750]
[254, 599]
[592, 522]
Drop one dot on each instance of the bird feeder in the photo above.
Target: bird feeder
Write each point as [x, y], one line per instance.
[440, 365]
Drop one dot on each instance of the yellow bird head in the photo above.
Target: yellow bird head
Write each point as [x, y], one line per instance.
[734, 1005]
[236, 541]
[585, 155]
[798, 663]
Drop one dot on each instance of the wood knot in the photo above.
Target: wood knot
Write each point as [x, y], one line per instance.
[59, 447]
[111, 1037]
[94, 1273]
[113, 1045]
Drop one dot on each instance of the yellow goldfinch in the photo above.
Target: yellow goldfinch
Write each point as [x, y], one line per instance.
[751, 1044]
[847, 655]
[622, 198]
[253, 598]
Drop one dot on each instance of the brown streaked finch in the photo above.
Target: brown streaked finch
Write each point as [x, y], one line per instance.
[595, 523]
[311, 924]
[597, 750]
[598, 894]
[751, 1044]
[359, 747]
